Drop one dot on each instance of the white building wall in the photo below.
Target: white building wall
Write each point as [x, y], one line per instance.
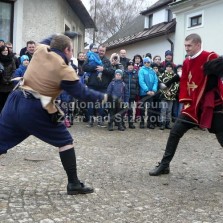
[35, 20]
[210, 32]
[155, 46]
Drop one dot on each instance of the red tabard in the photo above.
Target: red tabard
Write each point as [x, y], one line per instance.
[193, 82]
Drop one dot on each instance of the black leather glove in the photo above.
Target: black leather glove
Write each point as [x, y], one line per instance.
[214, 67]
[71, 34]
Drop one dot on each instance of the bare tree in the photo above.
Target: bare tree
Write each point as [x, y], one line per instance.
[111, 16]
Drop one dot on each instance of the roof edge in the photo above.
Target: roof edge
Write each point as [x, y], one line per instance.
[80, 10]
[155, 7]
[150, 36]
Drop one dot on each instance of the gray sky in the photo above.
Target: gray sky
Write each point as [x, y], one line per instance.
[149, 3]
[87, 6]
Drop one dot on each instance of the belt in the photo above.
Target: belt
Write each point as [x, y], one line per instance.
[26, 94]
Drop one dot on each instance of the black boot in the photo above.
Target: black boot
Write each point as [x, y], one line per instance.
[162, 125]
[141, 125]
[123, 124]
[168, 126]
[110, 126]
[131, 125]
[73, 189]
[68, 160]
[150, 125]
[120, 127]
[163, 167]
[159, 169]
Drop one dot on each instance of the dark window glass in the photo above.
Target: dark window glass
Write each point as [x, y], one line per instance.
[196, 21]
[150, 21]
[6, 21]
[170, 15]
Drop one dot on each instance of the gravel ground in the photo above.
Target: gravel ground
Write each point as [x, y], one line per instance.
[116, 164]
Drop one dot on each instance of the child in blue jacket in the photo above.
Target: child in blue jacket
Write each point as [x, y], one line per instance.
[118, 89]
[20, 71]
[93, 60]
[148, 83]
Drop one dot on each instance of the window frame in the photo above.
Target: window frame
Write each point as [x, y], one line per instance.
[11, 3]
[197, 15]
[150, 21]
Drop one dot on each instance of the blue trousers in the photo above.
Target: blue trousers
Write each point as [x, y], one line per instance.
[22, 117]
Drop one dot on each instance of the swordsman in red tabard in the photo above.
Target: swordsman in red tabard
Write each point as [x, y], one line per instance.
[201, 92]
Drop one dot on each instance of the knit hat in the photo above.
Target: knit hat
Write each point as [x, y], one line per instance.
[168, 52]
[178, 66]
[2, 40]
[154, 65]
[146, 59]
[24, 57]
[119, 71]
[93, 46]
[130, 63]
[149, 55]
[169, 64]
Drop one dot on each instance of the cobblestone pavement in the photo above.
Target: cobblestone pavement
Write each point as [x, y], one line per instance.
[116, 164]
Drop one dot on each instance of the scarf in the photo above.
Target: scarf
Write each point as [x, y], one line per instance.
[5, 59]
[61, 54]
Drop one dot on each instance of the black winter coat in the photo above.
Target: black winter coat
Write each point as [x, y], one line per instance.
[107, 75]
[132, 82]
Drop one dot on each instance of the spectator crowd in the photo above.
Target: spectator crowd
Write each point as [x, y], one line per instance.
[147, 88]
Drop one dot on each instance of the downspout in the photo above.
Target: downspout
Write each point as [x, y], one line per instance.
[170, 41]
[171, 44]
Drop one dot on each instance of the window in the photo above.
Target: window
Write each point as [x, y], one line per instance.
[195, 20]
[150, 20]
[66, 27]
[6, 21]
[170, 15]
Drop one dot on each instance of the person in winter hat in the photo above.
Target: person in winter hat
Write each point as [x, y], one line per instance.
[168, 96]
[148, 83]
[146, 60]
[93, 59]
[168, 53]
[24, 62]
[130, 78]
[156, 98]
[168, 58]
[6, 85]
[138, 63]
[118, 89]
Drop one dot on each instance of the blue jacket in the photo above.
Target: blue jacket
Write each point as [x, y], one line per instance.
[119, 89]
[148, 80]
[19, 72]
[94, 59]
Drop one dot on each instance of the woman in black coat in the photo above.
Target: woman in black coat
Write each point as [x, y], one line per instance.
[6, 86]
